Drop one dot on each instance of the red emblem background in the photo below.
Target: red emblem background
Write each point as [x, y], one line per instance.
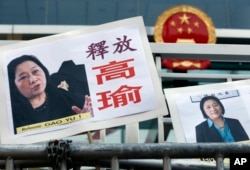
[184, 24]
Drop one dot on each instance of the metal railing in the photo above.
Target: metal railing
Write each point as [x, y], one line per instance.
[142, 156]
[117, 156]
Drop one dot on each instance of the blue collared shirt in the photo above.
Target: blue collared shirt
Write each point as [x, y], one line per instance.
[224, 133]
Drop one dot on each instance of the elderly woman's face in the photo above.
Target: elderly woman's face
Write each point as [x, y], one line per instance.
[30, 79]
[212, 109]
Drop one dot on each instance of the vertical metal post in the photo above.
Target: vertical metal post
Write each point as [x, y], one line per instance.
[160, 129]
[229, 79]
[63, 165]
[158, 65]
[220, 162]
[77, 168]
[9, 164]
[132, 133]
[90, 138]
[102, 135]
[114, 163]
[166, 163]
[103, 140]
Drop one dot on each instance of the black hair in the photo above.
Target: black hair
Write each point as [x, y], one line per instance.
[204, 99]
[12, 70]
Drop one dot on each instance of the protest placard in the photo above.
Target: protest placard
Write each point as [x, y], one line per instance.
[107, 73]
[188, 107]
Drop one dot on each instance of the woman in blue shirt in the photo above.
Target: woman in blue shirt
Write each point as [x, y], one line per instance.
[216, 127]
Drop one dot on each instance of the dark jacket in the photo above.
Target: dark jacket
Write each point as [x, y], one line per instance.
[206, 134]
[59, 103]
[74, 75]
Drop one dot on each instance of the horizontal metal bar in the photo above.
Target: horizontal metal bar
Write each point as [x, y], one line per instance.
[157, 151]
[124, 164]
[220, 33]
[83, 151]
[23, 151]
[201, 76]
[215, 52]
[31, 163]
[167, 120]
[55, 29]
[83, 154]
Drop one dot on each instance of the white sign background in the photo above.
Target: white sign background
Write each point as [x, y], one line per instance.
[72, 46]
[186, 114]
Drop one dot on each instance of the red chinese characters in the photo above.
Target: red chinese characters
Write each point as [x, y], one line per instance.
[120, 97]
[114, 70]
[123, 69]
